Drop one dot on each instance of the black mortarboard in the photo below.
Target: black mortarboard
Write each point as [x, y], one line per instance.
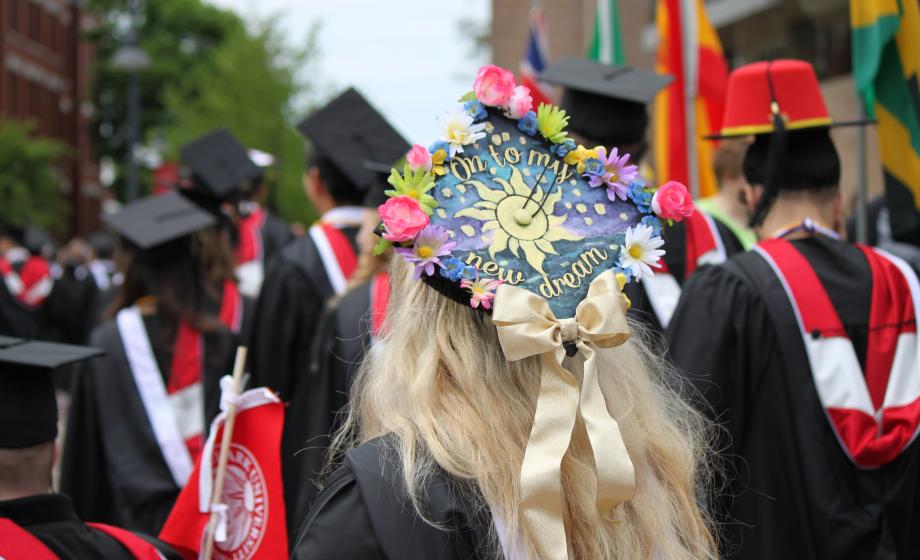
[28, 409]
[103, 244]
[220, 166]
[36, 239]
[156, 220]
[356, 139]
[606, 103]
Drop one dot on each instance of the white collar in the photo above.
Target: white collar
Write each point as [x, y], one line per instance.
[345, 216]
[16, 255]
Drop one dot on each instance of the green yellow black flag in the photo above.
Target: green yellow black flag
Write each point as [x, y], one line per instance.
[886, 72]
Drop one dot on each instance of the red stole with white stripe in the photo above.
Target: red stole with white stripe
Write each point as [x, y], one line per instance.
[337, 254]
[703, 245]
[874, 414]
[32, 284]
[231, 307]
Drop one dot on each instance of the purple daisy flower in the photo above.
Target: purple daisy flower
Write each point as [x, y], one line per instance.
[432, 243]
[617, 176]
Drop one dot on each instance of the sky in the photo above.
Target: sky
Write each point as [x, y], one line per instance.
[412, 64]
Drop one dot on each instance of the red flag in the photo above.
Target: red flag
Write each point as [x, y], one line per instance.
[252, 518]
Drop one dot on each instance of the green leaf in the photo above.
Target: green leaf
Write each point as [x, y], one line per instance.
[381, 246]
[469, 96]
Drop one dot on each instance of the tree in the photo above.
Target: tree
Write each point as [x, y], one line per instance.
[178, 35]
[29, 181]
[250, 87]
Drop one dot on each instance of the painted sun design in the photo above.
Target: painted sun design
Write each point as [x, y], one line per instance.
[519, 224]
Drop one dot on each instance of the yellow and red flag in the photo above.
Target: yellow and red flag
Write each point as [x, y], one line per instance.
[691, 107]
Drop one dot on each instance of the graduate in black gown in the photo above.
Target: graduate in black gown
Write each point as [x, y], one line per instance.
[35, 522]
[260, 233]
[218, 174]
[16, 319]
[350, 141]
[805, 350]
[139, 415]
[458, 425]
[607, 106]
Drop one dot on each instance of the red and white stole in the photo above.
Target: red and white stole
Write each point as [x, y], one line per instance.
[336, 252]
[250, 252]
[380, 298]
[175, 409]
[874, 414]
[32, 284]
[231, 307]
[703, 246]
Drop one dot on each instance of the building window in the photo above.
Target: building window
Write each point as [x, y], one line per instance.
[14, 15]
[34, 17]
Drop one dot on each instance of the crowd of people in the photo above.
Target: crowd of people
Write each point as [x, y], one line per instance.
[512, 343]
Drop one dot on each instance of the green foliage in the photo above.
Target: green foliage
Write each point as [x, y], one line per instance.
[250, 87]
[29, 181]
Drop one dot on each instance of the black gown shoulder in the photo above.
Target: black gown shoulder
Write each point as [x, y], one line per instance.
[51, 519]
[369, 485]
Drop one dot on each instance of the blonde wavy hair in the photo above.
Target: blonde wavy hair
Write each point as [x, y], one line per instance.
[440, 384]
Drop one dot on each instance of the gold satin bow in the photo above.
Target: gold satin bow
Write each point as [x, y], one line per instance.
[527, 327]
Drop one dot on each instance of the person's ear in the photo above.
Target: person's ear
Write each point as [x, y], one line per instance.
[313, 184]
[752, 194]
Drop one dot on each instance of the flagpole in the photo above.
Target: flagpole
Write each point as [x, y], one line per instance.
[862, 203]
[238, 366]
[689, 50]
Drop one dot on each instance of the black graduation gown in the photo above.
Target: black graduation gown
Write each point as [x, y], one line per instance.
[69, 312]
[275, 235]
[675, 258]
[112, 465]
[15, 319]
[288, 311]
[791, 491]
[365, 513]
[51, 518]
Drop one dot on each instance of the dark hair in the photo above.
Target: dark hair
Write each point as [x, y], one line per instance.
[340, 187]
[811, 161]
[173, 273]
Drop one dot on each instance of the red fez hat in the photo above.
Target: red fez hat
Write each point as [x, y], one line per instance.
[758, 91]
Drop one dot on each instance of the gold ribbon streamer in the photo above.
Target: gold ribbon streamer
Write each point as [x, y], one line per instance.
[527, 327]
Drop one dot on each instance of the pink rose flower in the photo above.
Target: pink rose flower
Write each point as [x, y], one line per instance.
[493, 85]
[419, 158]
[519, 103]
[403, 218]
[672, 201]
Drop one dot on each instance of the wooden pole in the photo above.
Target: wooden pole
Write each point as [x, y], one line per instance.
[238, 366]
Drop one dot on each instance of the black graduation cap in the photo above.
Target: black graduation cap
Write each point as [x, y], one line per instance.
[28, 410]
[606, 103]
[357, 139]
[156, 220]
[220, 166]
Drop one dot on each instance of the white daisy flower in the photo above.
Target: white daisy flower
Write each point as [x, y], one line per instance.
[459, 130]
[641, 251]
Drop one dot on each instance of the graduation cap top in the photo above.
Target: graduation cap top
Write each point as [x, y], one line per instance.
[28, 410]
[156, 220]
[220, 166]
[357, 139]
[607, 102]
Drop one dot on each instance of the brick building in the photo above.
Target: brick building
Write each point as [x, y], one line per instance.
[813, 30]
[44, 77]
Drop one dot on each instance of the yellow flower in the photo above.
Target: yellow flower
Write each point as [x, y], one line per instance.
[580, 155]
[437, 162]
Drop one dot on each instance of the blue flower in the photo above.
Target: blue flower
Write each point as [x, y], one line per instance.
[476, 110]
[469, 273]
[653, 223]
[594, 166]
[562, 149]
[528, 123]
[452, 268]
[640, 197]
[440, 145]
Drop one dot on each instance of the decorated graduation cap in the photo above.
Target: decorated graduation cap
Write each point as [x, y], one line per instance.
[779, 102]
[220, 168]
[506, 213]
[504, 196]
[357, 140]
[28, 409]
[606, 103]
[157, 220]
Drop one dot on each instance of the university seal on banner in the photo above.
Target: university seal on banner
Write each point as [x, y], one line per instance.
[247, 504]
